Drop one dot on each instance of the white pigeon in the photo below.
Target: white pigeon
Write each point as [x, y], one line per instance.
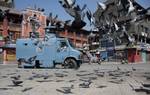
[135, 19]
[107, 22]
[116, 27]
[123, 28]
[103, 6]
[131, 7]
[131, 39]
[119, 3]
[92, 20]
[92, 34]
[71, 2]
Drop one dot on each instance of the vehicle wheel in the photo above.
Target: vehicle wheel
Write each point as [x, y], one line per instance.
[70, 63]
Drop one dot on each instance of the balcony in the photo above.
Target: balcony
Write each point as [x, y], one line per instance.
[12, 27]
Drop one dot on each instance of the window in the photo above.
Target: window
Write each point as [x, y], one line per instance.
[63, 44]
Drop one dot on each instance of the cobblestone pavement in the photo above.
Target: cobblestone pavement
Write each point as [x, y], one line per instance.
[89, 79]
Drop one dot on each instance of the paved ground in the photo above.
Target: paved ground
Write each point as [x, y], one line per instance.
[94, 79]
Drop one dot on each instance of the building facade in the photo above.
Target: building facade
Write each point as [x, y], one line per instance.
[16, 25]
[10, 29]
[26, 22]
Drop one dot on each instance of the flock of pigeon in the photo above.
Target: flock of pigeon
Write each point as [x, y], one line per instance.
[105, 21]
[109, 20]
[102, 19]
[84, 79]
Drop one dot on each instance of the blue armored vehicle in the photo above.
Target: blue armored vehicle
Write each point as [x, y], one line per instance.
[46, 52]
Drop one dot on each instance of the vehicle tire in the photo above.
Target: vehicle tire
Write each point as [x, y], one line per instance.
[70, 63]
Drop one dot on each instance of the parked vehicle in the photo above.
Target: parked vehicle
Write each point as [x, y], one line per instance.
[47, 52]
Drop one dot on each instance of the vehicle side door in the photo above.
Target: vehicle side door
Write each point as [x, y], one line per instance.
[62, 51]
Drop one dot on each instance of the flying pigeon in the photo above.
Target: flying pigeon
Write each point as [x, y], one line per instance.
[119, 3]
[92, 34]
[31, 59]
[64, 3]
[124, 3]
[52, 20]
[116, 26]
[84, 6]
[89, 16]
[50, 17]
[131, 7]
[102, 5]
[70, 2]
[76, 12]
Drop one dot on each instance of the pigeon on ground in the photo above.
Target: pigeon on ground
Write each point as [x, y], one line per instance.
[17, 82]
[118, 68]
[133, 69]
[65, 90]
[85, 84]
[16, 77]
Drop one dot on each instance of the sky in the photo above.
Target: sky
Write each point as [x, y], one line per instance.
[54, 6]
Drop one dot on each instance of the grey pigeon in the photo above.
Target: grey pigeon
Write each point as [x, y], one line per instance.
[26, 89]
[17, 82]
[66, 90]
[16, 77]
[85, 84]
[133, 69]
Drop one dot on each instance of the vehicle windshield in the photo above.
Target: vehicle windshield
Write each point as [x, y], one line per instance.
[63, 44]
[71, 44]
